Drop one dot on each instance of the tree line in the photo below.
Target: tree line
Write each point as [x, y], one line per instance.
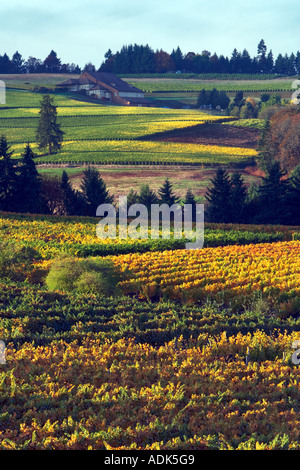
[24, 190]
[276, 200]
[134, 58]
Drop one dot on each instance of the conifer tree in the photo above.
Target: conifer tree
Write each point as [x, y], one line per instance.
[73, 201]
[147, 196]
[292, 200]
[166, 194]
[132, 198]
[49, 134]
[190, 199]
[264, 148]
[219, 198]
[94, 191]
[238, 198]
[272, 195]
[8, 177]
[29, 184]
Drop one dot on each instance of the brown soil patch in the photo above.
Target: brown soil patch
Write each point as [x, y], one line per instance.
[212, 134]
[120, 182]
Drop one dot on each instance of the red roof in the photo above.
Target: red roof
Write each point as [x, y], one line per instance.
[115, 82]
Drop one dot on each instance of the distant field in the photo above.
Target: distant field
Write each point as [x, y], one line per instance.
[178, 85]
[184, 91]
[27, 81]
[120, 179]
[96, 133]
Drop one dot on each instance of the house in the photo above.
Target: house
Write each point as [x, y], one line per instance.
[108, 88]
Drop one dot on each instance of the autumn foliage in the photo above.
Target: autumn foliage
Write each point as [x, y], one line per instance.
[282, 140]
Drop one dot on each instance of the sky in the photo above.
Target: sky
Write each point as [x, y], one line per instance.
[81, 31]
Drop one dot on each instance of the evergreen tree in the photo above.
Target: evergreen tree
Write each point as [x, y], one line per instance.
[214, 98]
[52, 63]
[29, 184]
[292, 203]
[269, 62]
[166, 194]
[223, 100]
[239, 99]
[265, 155]
[235, 61]
[8, 177]
[272, 194]
[219, 198]
[238, 199]
[73, 201]
[17, 63]
[48, 134]
[177, 57]
[132, 198]
[94, 191]
[147, 196]
[6, 65]
[246, 62]
[190, 199]
[202, 98]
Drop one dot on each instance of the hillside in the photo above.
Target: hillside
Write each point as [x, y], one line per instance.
[124, 343]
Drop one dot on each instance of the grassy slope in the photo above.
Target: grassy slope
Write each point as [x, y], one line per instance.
[93, 132]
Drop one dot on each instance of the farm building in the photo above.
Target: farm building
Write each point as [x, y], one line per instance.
[108, 88]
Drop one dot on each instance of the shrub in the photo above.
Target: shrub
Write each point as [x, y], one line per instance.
[16, 260]
[85, 276]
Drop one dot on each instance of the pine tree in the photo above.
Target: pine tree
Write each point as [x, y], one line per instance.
[166, 194]
[94, 191]
[272, 195]
[73, 201]
[292, 203]
[264, 148]
[29, 184]
[177, 56]
[223, 100]
[239, 99]
[202, 98]
[238, 199]
[219, 198]
[8, 177]
[147, 196]
[190, 199]
[132, 198]
[48, 134]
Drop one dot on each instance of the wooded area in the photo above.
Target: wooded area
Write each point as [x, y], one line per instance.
[136, 58]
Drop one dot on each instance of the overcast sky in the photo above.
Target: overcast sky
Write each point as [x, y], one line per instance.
[81, 31]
